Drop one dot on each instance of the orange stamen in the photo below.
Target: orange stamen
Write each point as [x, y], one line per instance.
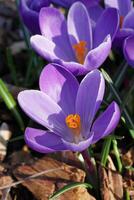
[74, 123]
[80, 51]
[121, 21]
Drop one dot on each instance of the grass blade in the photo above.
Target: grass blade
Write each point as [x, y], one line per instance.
[10, 103]
[128, 121]
[67, 188]
[106, 150]
[117, 155]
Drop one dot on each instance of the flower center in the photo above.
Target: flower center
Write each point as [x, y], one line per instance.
[121, 21]
[73, 122]
[80, 51]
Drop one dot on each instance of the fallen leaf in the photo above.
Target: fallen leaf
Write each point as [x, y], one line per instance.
[44, 186]
[111, 182]
[5, 135]
[5, 180]
[128, 158]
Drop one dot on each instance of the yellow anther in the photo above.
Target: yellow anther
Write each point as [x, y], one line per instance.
[74, 123]
[80, 51]
[121, 21]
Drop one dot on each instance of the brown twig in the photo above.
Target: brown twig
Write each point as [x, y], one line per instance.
[29, 177]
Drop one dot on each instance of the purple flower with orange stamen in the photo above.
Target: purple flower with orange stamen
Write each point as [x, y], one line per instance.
[67, 110]
[29, 10]
[125, 35]
[73, 43]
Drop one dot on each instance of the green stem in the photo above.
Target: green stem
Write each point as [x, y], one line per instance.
[10, 103]
[21, 137]
[29, 68]
[117, 155]
[127, 196]
[18, 118]
[90, 167]
[105, 150]
[127, 117]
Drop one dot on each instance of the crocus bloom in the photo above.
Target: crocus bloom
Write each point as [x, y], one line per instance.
[67, 110]
[29, 10]
[125, 35]
[74, 44]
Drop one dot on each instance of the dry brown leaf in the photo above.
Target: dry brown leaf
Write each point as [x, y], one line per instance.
[4, 180]
[19, 157]
[67, 157]
[128, 158]
[111, 183]
[5, 135]
[45, 185]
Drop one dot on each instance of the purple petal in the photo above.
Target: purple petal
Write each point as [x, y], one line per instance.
[89, 98]
[43, 141]
[76, 68]
[123, 7]
[53, 27]
[60, 85]
[121, 35]
[107, 24]
[47, 49]
[41, 108]
[129, 20]
[97, 56]
[68, 3]
[79, 25]
[95, 12]
[37, 5]
[129, 50]
[106, 122]
[29, 17]
[80, 146]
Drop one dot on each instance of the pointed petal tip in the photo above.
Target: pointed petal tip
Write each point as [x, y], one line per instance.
[106, 122]
[108, 23]
[96, 57]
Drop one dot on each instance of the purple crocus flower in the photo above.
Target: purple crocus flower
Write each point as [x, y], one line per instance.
[67, 110]
[29, 10]
[125, 35]
[73, 43]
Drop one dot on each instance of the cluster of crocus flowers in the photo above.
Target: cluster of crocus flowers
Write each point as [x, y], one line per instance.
[68, 110]
[75, 43]
[76, 46]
